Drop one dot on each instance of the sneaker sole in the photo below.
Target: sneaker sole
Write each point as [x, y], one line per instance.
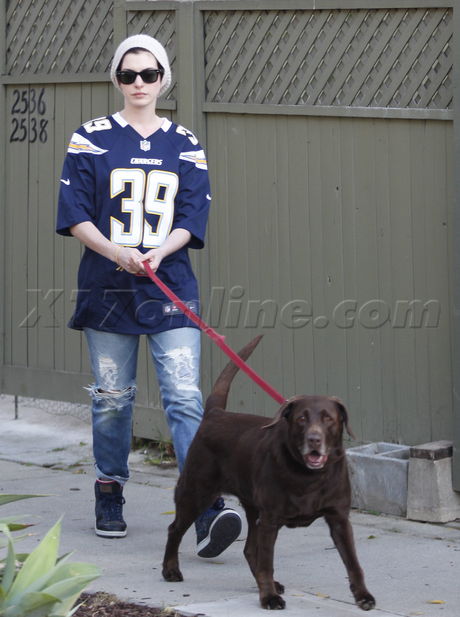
[110, 534]
[224, 530]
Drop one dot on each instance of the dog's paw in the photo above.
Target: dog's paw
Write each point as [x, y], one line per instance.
[366, 602]
[172, 575]
[273, 602]
[279, 588]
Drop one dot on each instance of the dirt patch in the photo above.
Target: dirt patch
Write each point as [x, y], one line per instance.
[101, 604]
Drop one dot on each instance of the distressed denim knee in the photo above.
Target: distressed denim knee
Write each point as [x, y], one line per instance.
[114, 362]
[176, 355]
[112, 432]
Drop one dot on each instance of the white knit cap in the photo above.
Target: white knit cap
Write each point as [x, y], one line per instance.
[150, 44]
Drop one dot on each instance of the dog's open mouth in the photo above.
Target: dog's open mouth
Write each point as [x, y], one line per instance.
[315, 460]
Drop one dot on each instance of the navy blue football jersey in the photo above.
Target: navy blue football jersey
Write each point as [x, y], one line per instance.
[135, 191]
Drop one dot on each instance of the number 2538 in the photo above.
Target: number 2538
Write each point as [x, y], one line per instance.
[31, 129]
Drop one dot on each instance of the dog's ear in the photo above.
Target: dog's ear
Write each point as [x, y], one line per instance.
[343, 414]
[283, 412]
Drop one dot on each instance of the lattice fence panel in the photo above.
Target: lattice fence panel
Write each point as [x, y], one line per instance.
[359, 58]
[58, 36]
[161, 25]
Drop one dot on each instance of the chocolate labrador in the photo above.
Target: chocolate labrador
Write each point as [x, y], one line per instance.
[288, 471]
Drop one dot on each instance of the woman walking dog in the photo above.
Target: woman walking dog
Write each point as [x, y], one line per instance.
[135, 187]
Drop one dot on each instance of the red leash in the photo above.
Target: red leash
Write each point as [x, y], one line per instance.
[217, 338]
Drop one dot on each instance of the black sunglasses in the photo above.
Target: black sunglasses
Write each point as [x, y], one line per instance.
[148, 76]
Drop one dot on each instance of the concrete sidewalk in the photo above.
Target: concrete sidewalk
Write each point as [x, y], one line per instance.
[411, 568]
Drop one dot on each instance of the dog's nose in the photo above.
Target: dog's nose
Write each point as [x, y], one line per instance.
[314, 439]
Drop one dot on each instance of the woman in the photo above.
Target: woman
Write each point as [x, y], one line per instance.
[135, 187]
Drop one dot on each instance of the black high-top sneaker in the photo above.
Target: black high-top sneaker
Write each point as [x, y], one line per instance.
[109, 509]
[216, 529]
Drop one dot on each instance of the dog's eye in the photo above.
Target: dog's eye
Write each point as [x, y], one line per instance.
[301, 420]
[327, 419]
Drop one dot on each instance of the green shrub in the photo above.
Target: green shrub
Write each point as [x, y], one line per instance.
[40, 583]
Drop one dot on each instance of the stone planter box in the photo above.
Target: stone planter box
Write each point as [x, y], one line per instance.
[430, 495]
[379, 477]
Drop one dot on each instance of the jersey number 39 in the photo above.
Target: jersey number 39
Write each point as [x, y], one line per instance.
[151, 193]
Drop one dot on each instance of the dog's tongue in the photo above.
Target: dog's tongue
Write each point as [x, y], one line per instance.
[315, 460]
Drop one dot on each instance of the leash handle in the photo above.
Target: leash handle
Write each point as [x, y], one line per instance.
[218, 339]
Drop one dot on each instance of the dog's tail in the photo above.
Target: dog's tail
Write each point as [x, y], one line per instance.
[219, 394]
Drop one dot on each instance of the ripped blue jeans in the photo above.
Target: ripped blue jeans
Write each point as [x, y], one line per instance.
[176, 356]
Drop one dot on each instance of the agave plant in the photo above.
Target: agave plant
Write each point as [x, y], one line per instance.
[39, 584]
[10, 521]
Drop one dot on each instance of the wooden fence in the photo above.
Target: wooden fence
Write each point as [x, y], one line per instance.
[329, 129]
